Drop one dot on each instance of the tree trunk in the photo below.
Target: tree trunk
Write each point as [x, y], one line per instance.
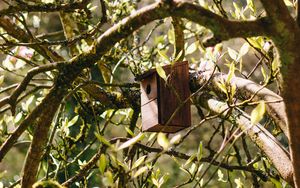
[290, 69]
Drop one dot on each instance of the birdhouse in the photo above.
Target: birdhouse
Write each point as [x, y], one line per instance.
[164, 106]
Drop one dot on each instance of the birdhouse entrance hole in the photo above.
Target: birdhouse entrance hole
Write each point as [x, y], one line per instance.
[148, 89]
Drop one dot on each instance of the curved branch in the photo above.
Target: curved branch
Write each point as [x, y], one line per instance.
[248, 88]
[222, 28]
[12, 99]
[36, 150]
[44, 7]
[259, 135]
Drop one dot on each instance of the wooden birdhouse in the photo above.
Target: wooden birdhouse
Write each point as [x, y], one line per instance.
[163, 107]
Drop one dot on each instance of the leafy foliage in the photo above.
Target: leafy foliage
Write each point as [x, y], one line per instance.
[95, 135]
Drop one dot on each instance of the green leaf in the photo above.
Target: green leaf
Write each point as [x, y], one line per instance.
[103, 140]
[7, 63]
[258, 112]
[233, 54]
[73, 121]
[171, 36]
[155, 181]
[191, 159]
[163, 179]
[140, 171]
[18, 117]
[221, 176]
[185, 170]
[231, 72]
[1, 79]
[163, 141]
[192, 48]
[200, 151]
[222, 87]
[132, 141]
[178, 56]
[102, 163]
[138, 162]
[276, 183]
[238, 183]
[251, 5]
[193, 168]
[159, 40]
[164, 56]
[275, 64]
[161, 72]
[108, 179]
[175, 139]
[263, 72]
[244, 50]
[152, 136]
[129, 131]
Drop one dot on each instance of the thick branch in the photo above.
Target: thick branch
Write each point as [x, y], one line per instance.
[248, 88]
[222, 28]
[277, 11]
[36, 150]
[48, 7]
[259, 135]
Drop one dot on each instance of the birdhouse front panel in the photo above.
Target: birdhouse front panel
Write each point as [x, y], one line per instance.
[163, 107]
[173, 94]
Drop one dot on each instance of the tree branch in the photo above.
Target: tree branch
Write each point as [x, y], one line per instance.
[179, 37]
[92, 162]
[220, 26]
[277, 11]
[259, 135]
[12, 99]
[248, 88]
[21, 35]
[39, 141]
[44, 7]
[84, 170]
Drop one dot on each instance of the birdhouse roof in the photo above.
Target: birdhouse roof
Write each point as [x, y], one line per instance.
[153, 70]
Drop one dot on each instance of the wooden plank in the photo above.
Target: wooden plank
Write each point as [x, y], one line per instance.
[168, 101]
[148, 89]
[149, 115]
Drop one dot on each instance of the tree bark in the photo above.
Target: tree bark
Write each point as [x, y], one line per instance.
[291, 90]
